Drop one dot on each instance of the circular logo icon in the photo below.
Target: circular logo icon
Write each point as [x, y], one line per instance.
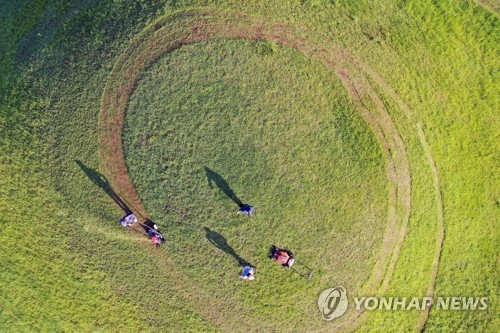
[332, 303]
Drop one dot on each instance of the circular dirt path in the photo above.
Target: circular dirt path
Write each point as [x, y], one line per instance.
[361, 82]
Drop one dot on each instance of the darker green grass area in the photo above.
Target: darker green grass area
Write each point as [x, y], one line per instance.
[214, 124]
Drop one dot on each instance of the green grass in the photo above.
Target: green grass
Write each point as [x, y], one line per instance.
[310, 166]
[67, 265]
[44, 285]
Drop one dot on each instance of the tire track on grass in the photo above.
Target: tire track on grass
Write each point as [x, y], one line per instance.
[435, 175]
[135, 62]
[422, 320]
[193, 26]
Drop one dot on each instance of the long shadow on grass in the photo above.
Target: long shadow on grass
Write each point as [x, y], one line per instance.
[220, 242]
[214, 177]
[100, 180]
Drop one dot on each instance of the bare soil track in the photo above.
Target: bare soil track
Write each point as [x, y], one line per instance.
[193, 26]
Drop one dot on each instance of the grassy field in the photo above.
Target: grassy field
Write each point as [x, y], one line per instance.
[365, 134]
[213, 134]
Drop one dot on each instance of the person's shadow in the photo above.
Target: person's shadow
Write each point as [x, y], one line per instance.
[214, 177]
[100, 180]
[220, 242]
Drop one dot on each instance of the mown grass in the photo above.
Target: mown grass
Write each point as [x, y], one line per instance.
[59, 272]
[310, 166]
[439, 56]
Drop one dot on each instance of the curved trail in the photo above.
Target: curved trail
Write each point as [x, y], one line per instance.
[437, 187]
[422, 320]
[493, 7]
[194, 26]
